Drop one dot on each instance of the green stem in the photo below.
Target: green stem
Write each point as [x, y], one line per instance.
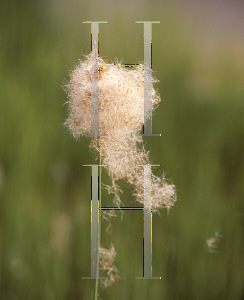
[99, 212]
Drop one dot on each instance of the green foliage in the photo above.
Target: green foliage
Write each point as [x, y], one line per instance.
[45, 190]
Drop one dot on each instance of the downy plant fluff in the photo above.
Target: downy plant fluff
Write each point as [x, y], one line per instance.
[121, 96]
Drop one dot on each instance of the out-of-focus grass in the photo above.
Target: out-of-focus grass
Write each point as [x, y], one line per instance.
[45, 190]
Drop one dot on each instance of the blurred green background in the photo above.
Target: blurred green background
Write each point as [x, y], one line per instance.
[45, 190]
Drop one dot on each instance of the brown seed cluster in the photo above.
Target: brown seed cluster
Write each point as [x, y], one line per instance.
[106, 261]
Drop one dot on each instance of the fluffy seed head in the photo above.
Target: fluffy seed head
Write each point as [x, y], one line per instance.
[120, 98]
[121, 116]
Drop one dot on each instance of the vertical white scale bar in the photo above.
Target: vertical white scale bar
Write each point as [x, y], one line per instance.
[95, 78]
[147, 118]
[147, 224]
[94, 224]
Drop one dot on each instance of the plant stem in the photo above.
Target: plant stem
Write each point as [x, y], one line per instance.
[99, 224]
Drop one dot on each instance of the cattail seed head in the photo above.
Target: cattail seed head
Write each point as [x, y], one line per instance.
[121, 98]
